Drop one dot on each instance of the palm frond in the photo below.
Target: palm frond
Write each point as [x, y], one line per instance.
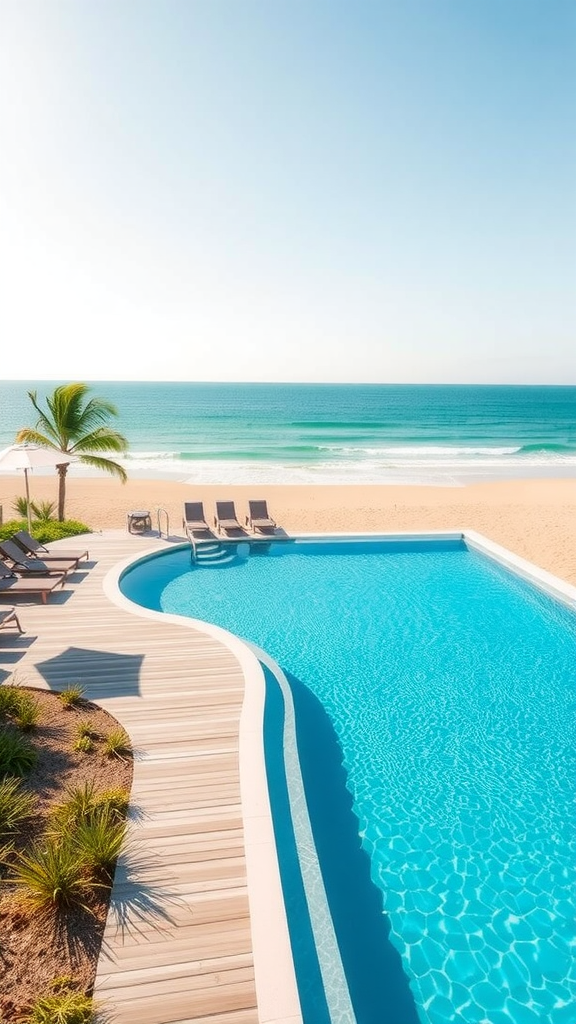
[97, 411]
[114, 468]
[101, 440]
[43, 422]
[29, 436]
[65, 404]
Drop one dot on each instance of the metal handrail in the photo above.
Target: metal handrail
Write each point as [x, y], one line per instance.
[158, 517]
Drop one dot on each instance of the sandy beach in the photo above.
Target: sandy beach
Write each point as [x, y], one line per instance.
[536, 519]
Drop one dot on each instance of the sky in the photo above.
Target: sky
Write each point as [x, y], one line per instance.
[288, 190]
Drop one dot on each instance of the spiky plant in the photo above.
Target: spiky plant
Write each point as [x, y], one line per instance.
[16, 805]
[51, 877]
[43, 511]
[78, 804]
[116, 800]
[83, 745]
[98, 840]
[84, 728]
[64, 1007]
[26, 713]
[72, 696]
[17, 755]
[20, 506]
[117, 744]
[8, 700]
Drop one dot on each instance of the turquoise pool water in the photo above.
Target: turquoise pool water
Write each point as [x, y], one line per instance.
[450, 687]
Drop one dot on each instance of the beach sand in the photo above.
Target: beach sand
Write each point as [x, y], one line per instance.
[535, 519]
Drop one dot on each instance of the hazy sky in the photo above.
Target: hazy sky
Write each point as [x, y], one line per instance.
[288, 190]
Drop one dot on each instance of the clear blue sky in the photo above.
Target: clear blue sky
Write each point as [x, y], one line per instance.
[288, 190]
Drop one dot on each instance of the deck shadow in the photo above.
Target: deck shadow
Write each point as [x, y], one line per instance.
[377, 983]
[102, 674]
[144, 897]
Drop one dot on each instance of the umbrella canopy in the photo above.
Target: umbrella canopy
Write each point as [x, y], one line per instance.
[27, 457]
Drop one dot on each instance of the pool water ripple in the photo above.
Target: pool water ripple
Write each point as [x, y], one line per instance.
[450, 685]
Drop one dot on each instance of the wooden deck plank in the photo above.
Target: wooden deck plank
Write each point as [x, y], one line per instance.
[177, 947]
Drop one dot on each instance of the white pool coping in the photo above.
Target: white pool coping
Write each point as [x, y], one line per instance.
[276, 987]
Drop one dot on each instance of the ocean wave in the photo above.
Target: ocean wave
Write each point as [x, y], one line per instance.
[431, 464]
[419, 451]
[552, 447]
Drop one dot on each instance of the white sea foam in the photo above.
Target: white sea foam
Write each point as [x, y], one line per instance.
[435, 465]
[427, 451]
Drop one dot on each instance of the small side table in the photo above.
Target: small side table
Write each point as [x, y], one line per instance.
[138, 521]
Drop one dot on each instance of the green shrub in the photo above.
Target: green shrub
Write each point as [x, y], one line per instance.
[84, 728]
[15, 806]
[98, 839]
[51, 877]
[117, 744]
[41, 511]
[79, 802]
[18, 705]
[83, 744]
[26, 713]
[64, 1007]
[115, 799]
[8, 700]
[20, 506]
[17, 755]
[72, 696]
[45, 532]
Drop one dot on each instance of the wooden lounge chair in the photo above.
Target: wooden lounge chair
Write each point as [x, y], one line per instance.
[225, 518]
[194, 520]
[9, 618]
[31, 546]
[259, 518]
[17, 585]
[30, 565]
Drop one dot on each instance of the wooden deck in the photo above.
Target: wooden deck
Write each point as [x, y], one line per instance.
[177, 946]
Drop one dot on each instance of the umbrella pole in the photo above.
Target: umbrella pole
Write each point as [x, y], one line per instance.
[28, 512]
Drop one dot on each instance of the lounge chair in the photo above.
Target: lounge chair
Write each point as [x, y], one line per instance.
[259, 518]
[194, 520]
[13, 584]
[9, 618]
[31, 565]
[225, 518]
[31, 546]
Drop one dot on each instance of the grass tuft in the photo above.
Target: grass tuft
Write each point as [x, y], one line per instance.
[117, 744]
[83, 745]
[15, 806]
[85, 729]
[63, 1007]
[98, 840]
[27, 713]
[72, 696]
[51, 878]
[79, 803]
[17, 755]
[115, 799]
[18, 705]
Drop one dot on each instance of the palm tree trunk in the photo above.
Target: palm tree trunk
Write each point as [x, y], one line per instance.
[62, 470]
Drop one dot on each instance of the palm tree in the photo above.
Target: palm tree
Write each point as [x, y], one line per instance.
[76, 426]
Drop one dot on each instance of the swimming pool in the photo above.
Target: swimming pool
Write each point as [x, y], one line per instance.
[445, 686]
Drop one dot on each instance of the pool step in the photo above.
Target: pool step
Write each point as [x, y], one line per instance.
[213, 553]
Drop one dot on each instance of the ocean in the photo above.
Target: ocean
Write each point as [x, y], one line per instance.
[329, 433]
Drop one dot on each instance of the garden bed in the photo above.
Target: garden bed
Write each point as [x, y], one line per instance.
[44, 950]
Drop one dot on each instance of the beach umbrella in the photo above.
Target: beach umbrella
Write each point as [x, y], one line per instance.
[29, 457]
